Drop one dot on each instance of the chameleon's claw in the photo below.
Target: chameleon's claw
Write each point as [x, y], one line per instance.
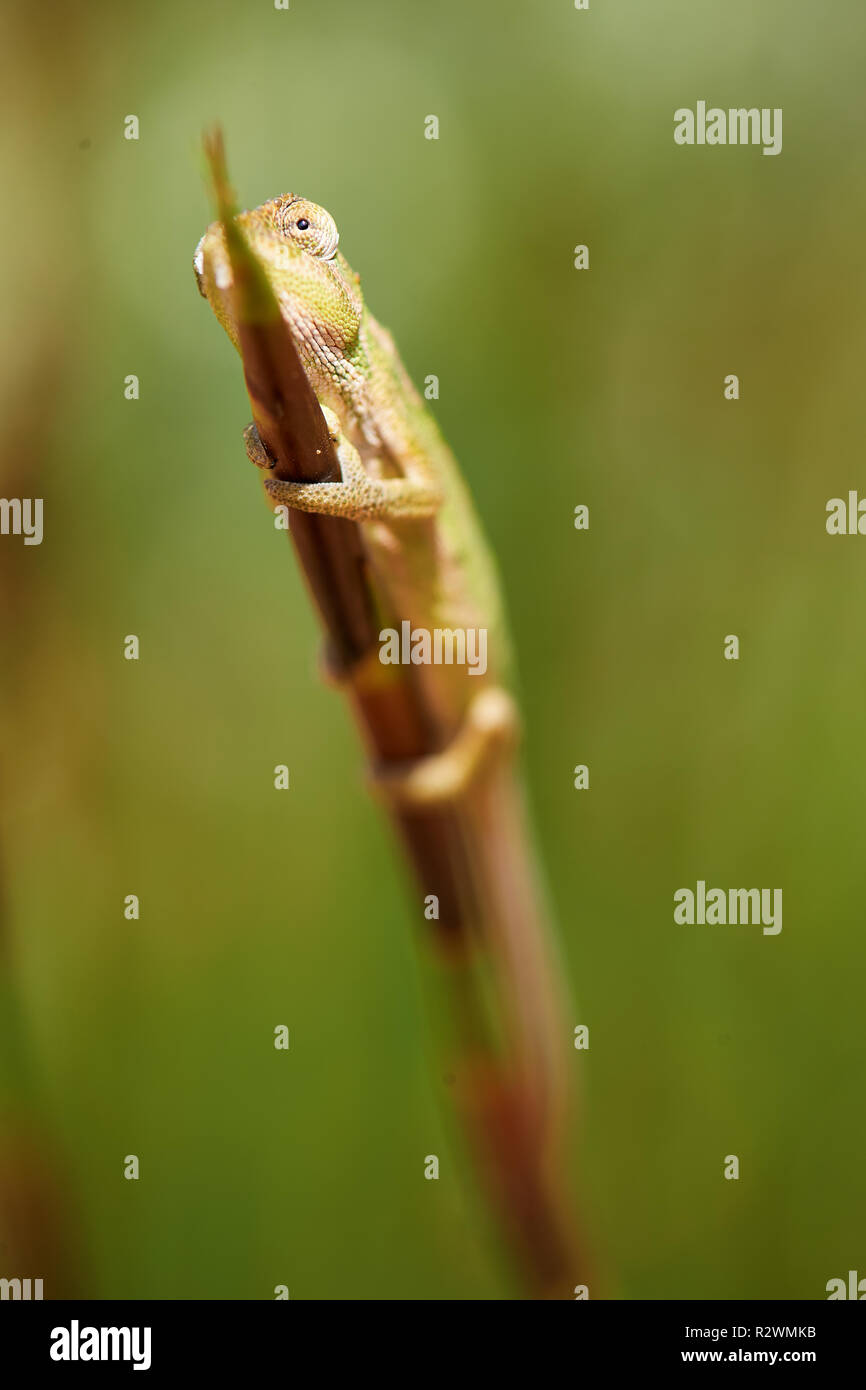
[256, 451]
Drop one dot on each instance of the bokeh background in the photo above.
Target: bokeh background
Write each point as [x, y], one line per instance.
[557, 387]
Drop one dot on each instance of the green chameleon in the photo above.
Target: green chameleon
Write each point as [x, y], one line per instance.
[431, 563]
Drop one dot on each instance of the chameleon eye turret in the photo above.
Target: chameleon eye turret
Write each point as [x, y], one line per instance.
[309, 226]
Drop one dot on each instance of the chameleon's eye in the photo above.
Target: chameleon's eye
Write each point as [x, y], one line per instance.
[310, 227]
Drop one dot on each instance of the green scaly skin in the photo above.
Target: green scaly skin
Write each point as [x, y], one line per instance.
[427, 551]
[430, 565]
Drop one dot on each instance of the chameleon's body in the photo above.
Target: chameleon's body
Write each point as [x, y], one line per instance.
[430, 562]
[430, 566]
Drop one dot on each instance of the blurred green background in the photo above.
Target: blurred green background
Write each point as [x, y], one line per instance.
[557, 387]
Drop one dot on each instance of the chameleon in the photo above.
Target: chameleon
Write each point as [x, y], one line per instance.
[430, 566]
[430, 561]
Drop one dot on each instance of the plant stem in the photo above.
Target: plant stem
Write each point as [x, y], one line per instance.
[510, 1040]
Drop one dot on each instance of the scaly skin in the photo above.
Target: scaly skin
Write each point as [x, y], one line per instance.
[429, 565]
[427, 550]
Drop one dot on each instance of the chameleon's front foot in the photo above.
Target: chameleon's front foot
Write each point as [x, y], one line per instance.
[491, 726]
[358, 497]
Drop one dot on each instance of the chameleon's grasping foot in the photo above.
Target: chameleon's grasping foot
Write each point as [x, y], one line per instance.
[491, 725]
[358, 497]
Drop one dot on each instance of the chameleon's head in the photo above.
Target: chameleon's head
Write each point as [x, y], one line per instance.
[295, 243]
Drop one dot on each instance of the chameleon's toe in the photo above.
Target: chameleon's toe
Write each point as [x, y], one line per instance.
[256, 451]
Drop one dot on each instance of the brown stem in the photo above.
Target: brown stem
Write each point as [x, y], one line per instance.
[472, 853]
